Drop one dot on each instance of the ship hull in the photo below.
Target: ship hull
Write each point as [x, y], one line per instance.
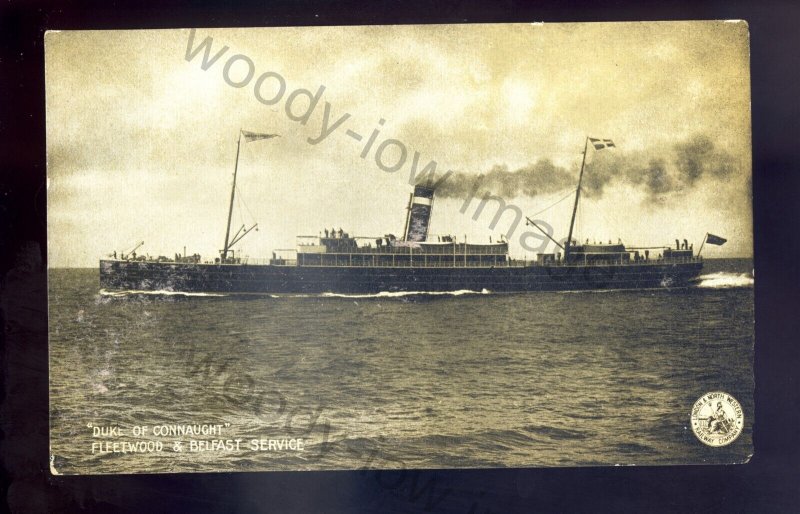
[274, 279]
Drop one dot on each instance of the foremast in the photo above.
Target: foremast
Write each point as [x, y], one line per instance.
[243, 231]
[233, 193]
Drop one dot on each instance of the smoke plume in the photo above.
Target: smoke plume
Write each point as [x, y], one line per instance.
[544, 177]
[659, 173]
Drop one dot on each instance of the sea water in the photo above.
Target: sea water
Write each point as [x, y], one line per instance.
[395, 380]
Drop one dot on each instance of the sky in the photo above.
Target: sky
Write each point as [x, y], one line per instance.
[142, 132]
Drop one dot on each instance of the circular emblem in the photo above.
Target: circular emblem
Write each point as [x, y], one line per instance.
[717, 419]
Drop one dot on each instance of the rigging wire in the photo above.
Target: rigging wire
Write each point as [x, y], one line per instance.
[242, 202]
[570, 193]
[239, 206]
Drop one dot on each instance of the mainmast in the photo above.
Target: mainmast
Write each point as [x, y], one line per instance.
[568, 246]
[233, 192]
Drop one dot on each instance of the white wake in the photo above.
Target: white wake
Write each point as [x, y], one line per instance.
[724, 279]
[399, 294]
[160, 292]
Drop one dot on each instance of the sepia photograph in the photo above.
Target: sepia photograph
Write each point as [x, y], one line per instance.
[399, 247]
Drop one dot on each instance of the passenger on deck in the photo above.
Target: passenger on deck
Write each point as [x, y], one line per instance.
[115, 254]
[326, 232]
[685, 244]
[677, 245]
[647, 255]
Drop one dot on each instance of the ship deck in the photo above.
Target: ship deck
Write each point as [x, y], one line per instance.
[346, 261]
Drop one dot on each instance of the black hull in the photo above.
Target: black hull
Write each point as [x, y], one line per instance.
[234, 278]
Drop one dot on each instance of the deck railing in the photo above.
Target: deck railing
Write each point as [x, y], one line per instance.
[511, 263]
[458, 261]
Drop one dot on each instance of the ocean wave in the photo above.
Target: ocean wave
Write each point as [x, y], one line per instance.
[724, 279]
[400, 294]
[161, 292]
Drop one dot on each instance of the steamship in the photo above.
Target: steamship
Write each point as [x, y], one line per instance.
[336, 262]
